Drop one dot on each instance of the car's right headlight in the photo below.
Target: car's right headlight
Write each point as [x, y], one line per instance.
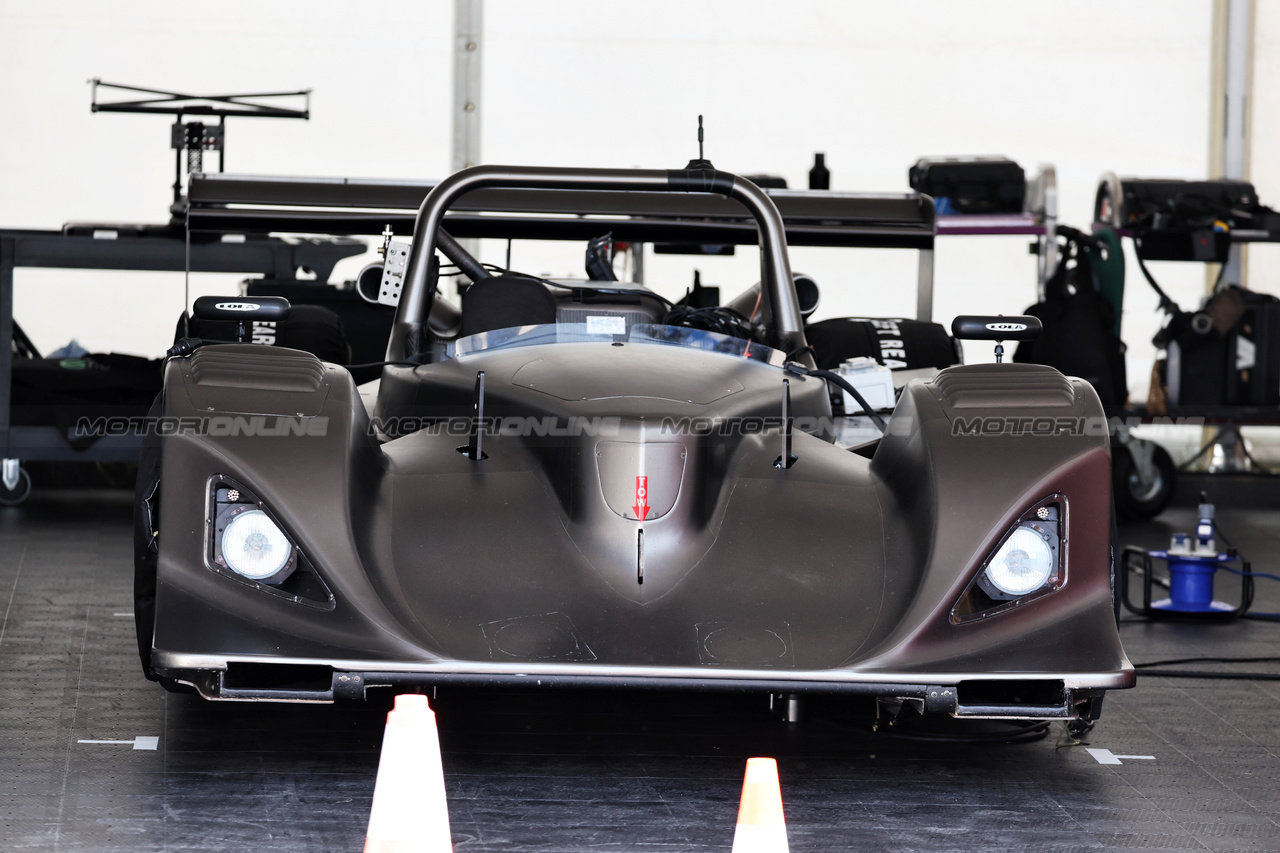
[1026, 564]
[1023, 564]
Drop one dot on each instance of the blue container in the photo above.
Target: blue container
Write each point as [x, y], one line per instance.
[1191, 583]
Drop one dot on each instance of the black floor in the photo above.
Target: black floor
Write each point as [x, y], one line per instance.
[594, 772]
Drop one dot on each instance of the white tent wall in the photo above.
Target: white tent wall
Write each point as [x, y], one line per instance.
[1264, 116]
[1088, 86]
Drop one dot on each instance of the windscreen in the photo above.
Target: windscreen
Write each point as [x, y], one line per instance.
[640, 333]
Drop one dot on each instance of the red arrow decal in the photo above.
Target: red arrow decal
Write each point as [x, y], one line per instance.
[641, 507]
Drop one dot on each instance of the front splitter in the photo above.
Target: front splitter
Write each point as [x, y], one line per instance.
[250, 678]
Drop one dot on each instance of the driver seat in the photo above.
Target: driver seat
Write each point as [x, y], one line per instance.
[502, 302]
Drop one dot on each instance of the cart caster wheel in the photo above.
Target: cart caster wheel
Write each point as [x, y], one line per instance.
[19, 492]
[1136, 497]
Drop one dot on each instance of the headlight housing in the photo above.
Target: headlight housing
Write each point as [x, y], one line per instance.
[247, 543]
[1027, 564]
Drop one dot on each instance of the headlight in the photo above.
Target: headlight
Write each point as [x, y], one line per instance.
[247, 544]
[1024, 563]
[1029, 562]
[253, 546]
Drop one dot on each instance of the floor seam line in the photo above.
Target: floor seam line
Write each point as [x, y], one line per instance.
[75, 710]
[14, 590]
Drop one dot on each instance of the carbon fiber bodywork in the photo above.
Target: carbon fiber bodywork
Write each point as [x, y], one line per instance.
[839, 573]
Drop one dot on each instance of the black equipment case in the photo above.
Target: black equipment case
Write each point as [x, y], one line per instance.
[971, 184]
[1227, 353]
[1180, 220]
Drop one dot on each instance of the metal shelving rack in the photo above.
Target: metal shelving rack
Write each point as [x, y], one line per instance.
[169, 247]
[117, 247]
[1225, 419]
[1039, 219]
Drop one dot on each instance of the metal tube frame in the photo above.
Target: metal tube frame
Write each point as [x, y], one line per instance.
[783, 307]
[8, 248]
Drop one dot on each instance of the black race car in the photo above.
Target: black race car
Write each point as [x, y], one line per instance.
[580, 483]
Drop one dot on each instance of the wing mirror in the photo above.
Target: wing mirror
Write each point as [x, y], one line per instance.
[1018, 327]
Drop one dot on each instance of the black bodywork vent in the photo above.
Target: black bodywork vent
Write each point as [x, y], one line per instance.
[257, 371]
[275, 678]
[1046, 698]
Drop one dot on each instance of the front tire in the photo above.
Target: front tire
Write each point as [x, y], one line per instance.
[146, 544]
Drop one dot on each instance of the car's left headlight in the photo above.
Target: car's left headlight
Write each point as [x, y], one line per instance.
[247, 540]
[248, 543]
[253, 546]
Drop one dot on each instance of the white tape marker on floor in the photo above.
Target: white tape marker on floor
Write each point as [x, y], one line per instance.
[140, 742]
[1106, 756]
[123, 614]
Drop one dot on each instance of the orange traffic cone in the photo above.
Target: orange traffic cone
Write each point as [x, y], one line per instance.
[409, 812]
[761, 826]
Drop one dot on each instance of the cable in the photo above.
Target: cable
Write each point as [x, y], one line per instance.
[720, 320]
[1021, 733]
[455, 270]
[1248, 574]
[1166, 304]
[1263, 470]
[1185, 466]
[1217, 282]
[186, 346]
[1209, 659]
[453, 250]
[1204, 499]
[1228, 676]
[837, 379]
[1267, 472]
[843, 383]
[382, 364]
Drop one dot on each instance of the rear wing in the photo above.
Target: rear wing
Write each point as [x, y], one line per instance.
[266, 204]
